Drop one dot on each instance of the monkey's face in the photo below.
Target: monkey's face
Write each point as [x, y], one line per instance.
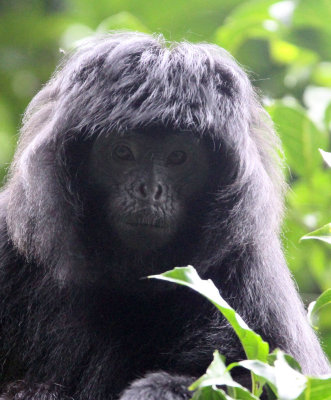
[147, 183]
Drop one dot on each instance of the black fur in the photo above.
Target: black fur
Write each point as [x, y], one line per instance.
[65, 329]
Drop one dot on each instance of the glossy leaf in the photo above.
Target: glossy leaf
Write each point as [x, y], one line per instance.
[300, 138]
[254, 346]
[286, 382]
[317, 389]
[323, 234]
[323, 300]
[217, 374]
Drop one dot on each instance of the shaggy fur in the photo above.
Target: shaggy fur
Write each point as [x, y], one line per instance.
[65, 329]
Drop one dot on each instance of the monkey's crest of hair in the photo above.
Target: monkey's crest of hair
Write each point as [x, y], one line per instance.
[124, 81]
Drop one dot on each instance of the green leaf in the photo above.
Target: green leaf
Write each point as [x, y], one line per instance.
[323, 234]
[322, 74]
[254, 346]
[251, 19]
[260, 369]
[286, 382]
[123, 20]
[315, 13]
[327, 117]
[293, 363]
[288, 53]
[6, 129]
[300, 137]
[210, 393]
[289, 382]
[218, 374]
[317, 389]
[323, 300]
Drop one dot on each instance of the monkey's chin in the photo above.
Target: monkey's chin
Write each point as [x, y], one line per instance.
[144, 237]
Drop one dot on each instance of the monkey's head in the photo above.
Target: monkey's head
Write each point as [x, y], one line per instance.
[144, 191]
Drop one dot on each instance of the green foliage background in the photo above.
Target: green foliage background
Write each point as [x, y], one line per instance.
[284, 45]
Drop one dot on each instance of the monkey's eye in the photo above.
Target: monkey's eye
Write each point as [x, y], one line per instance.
[176, 158]
[123, 152]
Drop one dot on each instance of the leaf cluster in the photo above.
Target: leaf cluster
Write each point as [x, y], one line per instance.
[278, 373]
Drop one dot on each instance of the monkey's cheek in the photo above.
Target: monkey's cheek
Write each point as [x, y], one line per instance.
[144, 237]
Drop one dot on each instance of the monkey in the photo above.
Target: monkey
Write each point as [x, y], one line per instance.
[136, 157]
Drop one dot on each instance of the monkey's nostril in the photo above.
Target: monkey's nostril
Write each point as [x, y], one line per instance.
[143, 190]
[158, 192]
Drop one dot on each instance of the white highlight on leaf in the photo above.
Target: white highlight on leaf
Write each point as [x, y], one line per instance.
[317, 99]
[326, 156]
[283, 11]
[270, 25]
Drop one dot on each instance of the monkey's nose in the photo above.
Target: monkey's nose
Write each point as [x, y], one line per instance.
[153, 191]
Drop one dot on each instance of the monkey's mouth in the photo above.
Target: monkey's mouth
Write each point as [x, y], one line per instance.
[145, 233]
[157, 225]
[147, 221]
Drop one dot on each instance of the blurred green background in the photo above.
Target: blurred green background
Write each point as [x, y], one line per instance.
[284, 45]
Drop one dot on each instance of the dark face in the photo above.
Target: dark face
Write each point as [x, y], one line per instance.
[148, 183]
